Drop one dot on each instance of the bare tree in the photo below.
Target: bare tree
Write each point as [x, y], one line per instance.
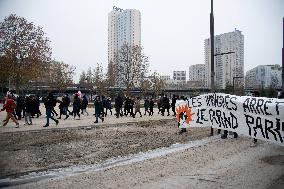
[82, 78]
[90, 76]
[158, 85]
[111, 76]
[61, 75]
[131, 66]
[24, 49]
[99, 80]
[146, 86]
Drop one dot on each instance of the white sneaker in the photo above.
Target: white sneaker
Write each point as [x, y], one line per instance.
[17, 126]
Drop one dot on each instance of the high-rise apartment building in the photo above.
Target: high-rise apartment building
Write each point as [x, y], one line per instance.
[197, 74]
[264, 76]
[226, 66]
[124, 27]
[179, 76]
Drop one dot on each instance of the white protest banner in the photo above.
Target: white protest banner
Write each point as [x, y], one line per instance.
[257, 117]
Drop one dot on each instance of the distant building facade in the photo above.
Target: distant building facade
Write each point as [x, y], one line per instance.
[226, 66]
[196, 76]
[179, 76]
[264, 76]
[165, 78]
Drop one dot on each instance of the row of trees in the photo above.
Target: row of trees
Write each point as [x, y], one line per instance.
[99, 80]
[129, 70]
[25, 56]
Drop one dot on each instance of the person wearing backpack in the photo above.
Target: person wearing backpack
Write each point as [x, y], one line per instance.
[10, 106]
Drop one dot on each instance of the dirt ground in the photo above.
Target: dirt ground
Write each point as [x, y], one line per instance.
[229, 163]
[24, 152]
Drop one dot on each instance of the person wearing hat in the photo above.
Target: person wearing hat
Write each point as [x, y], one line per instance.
[10, 106]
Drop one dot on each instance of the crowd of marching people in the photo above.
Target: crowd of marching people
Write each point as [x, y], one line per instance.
[28, 107]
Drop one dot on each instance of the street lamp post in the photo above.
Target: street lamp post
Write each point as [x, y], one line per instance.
[212, 53]
[282, 92]
[212, 49]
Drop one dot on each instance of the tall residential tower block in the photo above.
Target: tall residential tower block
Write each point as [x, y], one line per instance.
[226, 66]
[124, 27]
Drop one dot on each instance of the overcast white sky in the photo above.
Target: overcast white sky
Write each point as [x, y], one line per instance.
[173, 31]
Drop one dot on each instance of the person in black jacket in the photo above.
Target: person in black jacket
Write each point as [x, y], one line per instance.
[37, 105]
[20, 107]
[118, 106]
[54, 101]
[165, 105]
[159, 104]
[84, 105]
[99, 109]
[34, 105]
[126, 106]
[76, 106]
[67, 104]
[146, 106]
[28, 110]
[61, 106]
[108, 105]
[64, 105]
[151, 107]
[130, 107]
[173, 105]
[49, 105]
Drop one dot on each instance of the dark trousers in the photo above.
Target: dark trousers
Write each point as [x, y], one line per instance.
[146, 110]
[48, 116]
[174, 110]
[99, 115]
[109, 110]
[226, 134]
[151, 111]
